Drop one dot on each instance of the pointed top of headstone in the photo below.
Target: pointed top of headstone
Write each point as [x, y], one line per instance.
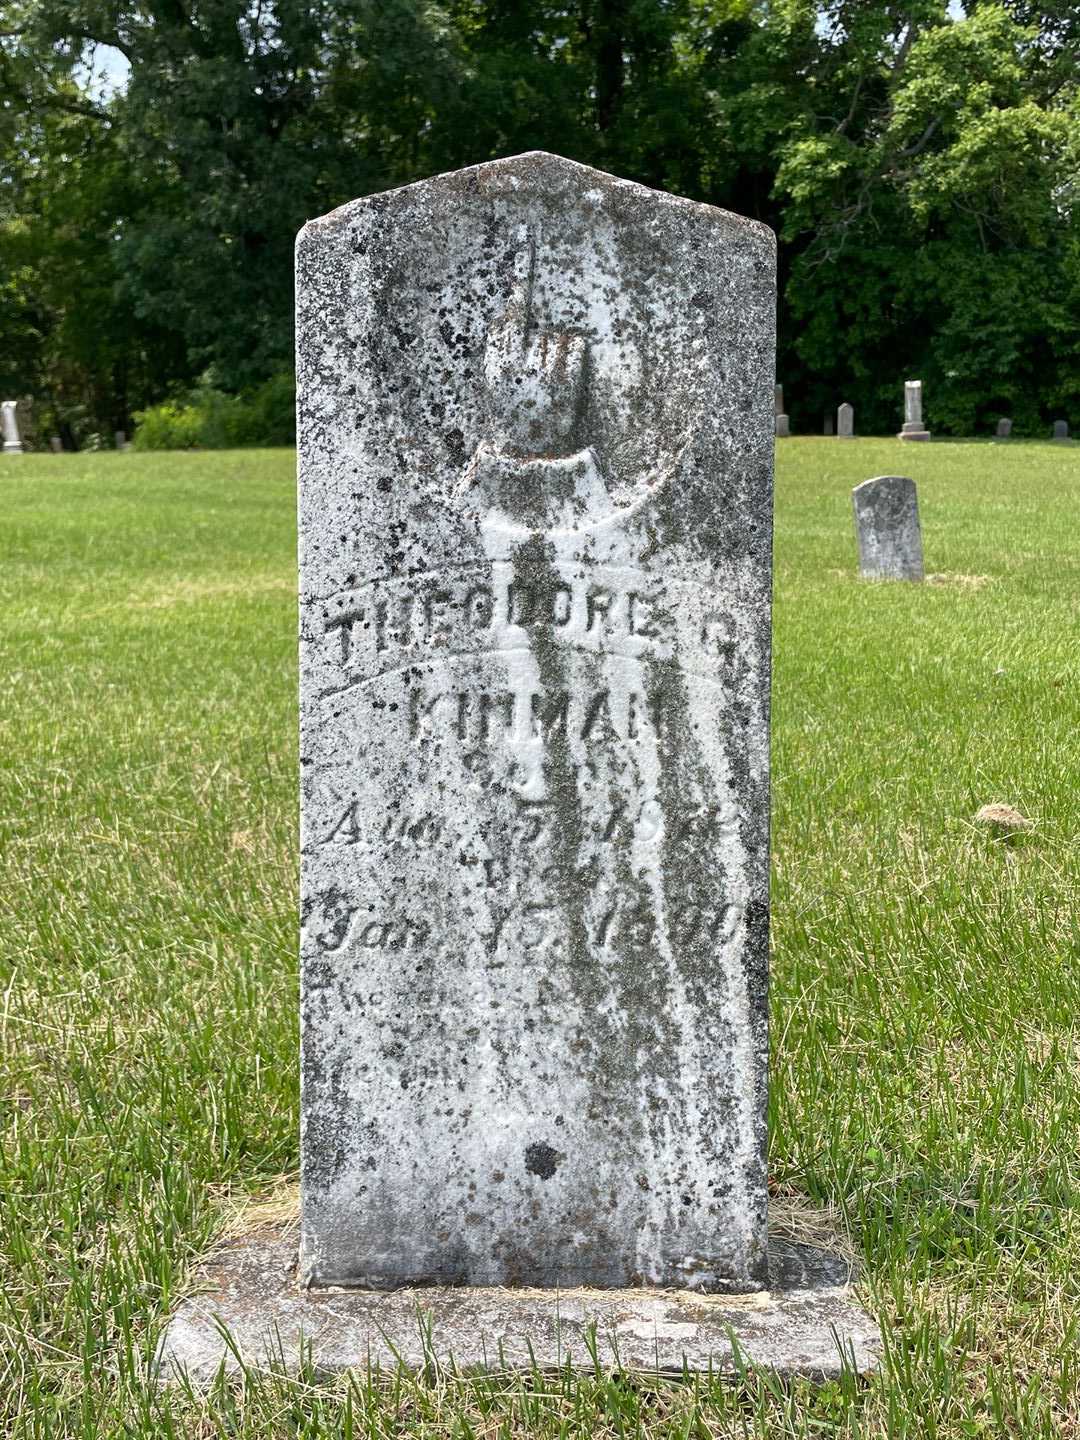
[511, 173]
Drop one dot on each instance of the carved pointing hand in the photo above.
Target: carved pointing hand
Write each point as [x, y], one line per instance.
[535, 384]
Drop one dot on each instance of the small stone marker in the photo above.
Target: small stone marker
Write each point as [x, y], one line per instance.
[845, 423]
[1004, 429]
[887, 529]
[781, 427]
[120, 438]
[56, 445]
[1061, 429]
[827, 427]
[535, 509]
[9, 424]
[913, 421]
[535, 469]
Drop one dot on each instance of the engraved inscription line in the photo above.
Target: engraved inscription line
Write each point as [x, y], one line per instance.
[627, 920]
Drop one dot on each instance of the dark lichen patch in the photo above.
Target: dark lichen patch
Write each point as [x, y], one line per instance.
[541, 1159]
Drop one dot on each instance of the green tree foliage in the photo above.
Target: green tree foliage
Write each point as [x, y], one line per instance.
[66, 194]
[933, 226]
[920, 168]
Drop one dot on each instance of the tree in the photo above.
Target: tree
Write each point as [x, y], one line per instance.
[920, 170]
[930, 224]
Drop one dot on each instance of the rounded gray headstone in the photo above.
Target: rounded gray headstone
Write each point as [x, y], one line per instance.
[887, 528]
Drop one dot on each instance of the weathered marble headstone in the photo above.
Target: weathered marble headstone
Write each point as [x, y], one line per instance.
[535, 499]
[783, 427]
[845, 423]
[56, 445]
[827, 424]
[1004, 429]
[120, 439]
[9, 425]
[913, 428]
[1061, 429]
[887, 529]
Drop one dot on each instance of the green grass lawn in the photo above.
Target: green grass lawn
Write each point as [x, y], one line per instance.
[926, 1002]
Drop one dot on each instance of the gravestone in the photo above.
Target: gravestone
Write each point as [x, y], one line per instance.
[1004, 429]
[887, 529]
[120, 439]
[535, 470]
[56, 445]
[827, 426]
[913, 428]
[535, 501]
[9, 425]
[1061, 430]
[781, 427]
[845, 423]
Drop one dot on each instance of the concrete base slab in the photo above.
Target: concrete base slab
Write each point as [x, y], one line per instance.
[914, 435]
[807, 1324]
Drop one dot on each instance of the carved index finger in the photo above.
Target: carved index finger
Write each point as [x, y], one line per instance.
[515, 320]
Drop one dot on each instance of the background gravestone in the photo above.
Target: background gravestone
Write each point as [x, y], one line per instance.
[1061, 430]
[913, 428]
[887, 529]
[845, 423]
[827, 424]
[9, 425]
[535, 512]
[1004, 429]
[782, 427]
